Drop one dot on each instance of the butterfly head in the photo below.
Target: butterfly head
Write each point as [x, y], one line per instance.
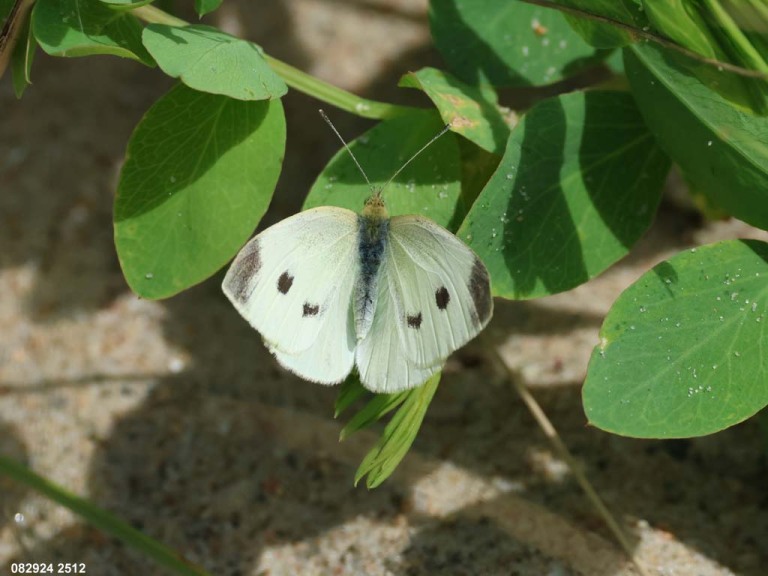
[374, 208]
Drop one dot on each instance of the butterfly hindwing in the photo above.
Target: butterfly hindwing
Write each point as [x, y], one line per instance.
[293, 283]
[382, 361]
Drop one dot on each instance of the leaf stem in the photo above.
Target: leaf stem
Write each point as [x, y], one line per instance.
[551, 433]
[637, 33]
[297, 79]
[100, 518]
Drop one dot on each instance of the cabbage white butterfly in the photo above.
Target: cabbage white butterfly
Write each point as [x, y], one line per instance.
[329, 289]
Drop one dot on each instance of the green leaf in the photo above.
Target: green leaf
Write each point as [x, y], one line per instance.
[119, 5]
[85, 27]
[684, 350]
[578, 185]
[720, 149]
[713, 34]
[199, 174]
[203, 7]
[477, 167]
[378, 407]
[604, 35]
[351, 391]
[211, 61]
[6, 9]
[430, 185]
[22, 57]
[398, 435]
[506, 43]
[472, 112]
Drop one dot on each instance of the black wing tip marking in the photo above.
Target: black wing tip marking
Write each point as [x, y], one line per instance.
[239, 282]
[480, 289]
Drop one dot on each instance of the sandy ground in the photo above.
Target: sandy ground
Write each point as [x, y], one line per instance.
[173, 416]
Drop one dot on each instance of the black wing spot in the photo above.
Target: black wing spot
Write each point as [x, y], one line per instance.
[442, 297]
[310, 309]
[414, 321]
[285, 282]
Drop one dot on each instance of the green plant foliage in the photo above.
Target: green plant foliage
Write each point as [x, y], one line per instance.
[119, 5]
[471, 111]
[199, 174]
[6, 8]
[578, 185]
[720, 149]
[603, 35]
[398, 435]
[350, 391]
[506, 43]
[22, 57]
[203, 7]
[430, 185]
[211, 61]
[87, 27]
[713, 34]
[683, 350]
[379, 406]
[169, 559]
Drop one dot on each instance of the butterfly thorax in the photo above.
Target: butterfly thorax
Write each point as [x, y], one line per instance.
[373, 234]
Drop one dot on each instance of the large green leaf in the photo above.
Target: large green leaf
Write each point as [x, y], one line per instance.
[87, 27]
[723, 151]
[430, 185]
[578, 185]
[506, 43]
[199, 174]
[684, 350]
[471, 111]
[211, 61]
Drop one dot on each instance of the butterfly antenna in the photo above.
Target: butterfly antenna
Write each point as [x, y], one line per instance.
[328, 121]
[411, 159]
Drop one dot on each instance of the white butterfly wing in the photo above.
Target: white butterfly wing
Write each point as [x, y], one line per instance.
[434, 296]
[381, 359]
[443, 287]
[293, 283]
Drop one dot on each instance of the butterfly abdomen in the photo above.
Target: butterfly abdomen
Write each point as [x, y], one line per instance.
[373, 234]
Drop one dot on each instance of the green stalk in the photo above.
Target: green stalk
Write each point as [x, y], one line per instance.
[746, 52]
[101, 519]
[297, 79]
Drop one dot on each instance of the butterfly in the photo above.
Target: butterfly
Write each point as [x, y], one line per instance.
[330, 290]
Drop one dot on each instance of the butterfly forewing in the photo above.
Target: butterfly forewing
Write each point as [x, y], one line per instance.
[293, 283]
[441, 289]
